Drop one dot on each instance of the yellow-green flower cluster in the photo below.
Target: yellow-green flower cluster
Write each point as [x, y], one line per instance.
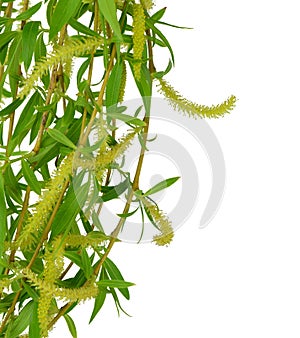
[83, 241]
[178, 102]
[43, 209]
[90, 290]
[54, 260]
[147, 4]
[138, 37]
[109, 156]
[166, 231]
[54, 264]
[123, 83]
[61, 54]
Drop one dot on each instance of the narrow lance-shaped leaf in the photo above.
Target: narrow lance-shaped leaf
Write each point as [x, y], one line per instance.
[63, 12]
[30, 177]
[113, 85]
[99, 301]
[61, 138]
[161, 185]
[71, 325]
[23, 320]
[114, 273]
[112, 283]
[29, 13]
[108, 9]
[29, 37]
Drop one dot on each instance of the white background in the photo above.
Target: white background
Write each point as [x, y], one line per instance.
[238, 277]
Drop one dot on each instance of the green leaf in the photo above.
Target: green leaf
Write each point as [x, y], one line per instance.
[12, 187]
[161, 185]
[63, 12]
[22, 321]
[114, 273]
[30, 177]
[6, 37]
[58, 136]
[128, 214]
[74, 257]
[3, 219]
[126, 118]
[112, 283]
[109, 11]
[159, 14]
[86, 264]
[11, 107]
[115, 192]
[34, 328]
[71, 325]
[29, 37]
[29, 13]
[14, 56]
[159, 75]
[40, 48]
[27, 118]
[70, 208]
[114, 84]
[155, 30]
[82, 28]
[99, 301]
[31, 292]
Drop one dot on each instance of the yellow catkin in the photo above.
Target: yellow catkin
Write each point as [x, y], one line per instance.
[138, 38]
[53, 257]
[109, 156]
[166, 231]
[88, 291]
[192, 109]
[83, 241]
[53, 268]
[62, 54]
[123, 83]
[147, 4]
[43, 209]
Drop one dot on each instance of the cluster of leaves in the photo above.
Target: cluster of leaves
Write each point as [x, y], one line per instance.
[48, 245]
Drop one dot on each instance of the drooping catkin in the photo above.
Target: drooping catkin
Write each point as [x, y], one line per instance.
[107, 157]
[123, 83]
[54, 264]
[44, 207]
[62, 54]
[138, 38]
[161, 220]
[192, 109]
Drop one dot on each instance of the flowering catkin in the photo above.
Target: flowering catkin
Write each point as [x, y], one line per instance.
[166, 231]
[123, 83]
[107, 157]
[90, 290]
[62, 54]
[54, 264]
[43, 209]
[138, 38]
[178, 102]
